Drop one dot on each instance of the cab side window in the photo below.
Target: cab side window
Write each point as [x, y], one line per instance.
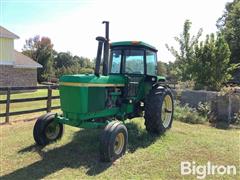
[116, 61]
[151, 59]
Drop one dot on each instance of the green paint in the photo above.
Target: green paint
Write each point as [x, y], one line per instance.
[84, 120]
[132, 43]
[84, 97]
[91, 78]
[81, 100]
[161, 78]
[96, 98]
[74, 99]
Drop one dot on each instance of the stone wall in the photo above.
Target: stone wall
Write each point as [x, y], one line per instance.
[236, 77]
[192, 98]
[223, 106]
[10, 76]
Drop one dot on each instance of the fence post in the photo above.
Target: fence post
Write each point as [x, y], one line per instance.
[8, 105]
[49, 99]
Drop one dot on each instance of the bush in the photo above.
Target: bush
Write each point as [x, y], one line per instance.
[236, 118]
[204, 109]
[188, 115]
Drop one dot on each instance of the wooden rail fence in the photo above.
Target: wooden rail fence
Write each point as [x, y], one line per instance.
[8, 101]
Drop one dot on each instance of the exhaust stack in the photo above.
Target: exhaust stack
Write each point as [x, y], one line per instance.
[106, 49]
[101, 41]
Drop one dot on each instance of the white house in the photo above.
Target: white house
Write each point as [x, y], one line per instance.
[16, 69]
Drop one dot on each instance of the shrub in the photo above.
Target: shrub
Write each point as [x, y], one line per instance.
[188, 115]
[236, 118]
[204, 109]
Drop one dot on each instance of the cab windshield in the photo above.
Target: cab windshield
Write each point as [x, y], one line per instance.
[133, 61]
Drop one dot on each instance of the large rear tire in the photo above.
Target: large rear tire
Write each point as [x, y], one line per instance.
[46, 130]
[159, 110]
[113, 141]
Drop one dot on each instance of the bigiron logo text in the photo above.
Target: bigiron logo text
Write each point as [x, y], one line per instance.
[201, 171]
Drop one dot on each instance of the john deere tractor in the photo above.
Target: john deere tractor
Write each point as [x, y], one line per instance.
[128, 87]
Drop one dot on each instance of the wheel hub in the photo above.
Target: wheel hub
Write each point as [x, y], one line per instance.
[167, 108]
[52, 130]
[119, 143]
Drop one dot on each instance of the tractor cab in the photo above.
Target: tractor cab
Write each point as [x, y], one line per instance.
[135, 60]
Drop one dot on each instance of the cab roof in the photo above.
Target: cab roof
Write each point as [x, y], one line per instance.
[133, 43]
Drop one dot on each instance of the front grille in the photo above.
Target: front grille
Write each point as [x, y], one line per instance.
[133, 86]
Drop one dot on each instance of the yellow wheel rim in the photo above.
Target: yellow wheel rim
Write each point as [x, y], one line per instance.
[167, 108]
[52, 131]
[119, 143]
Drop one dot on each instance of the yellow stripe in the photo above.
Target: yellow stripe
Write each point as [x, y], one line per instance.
[90, 84]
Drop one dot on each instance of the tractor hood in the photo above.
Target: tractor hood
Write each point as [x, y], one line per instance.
[81, 94]
[92, 80]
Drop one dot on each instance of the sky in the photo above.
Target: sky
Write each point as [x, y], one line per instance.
[73, 25]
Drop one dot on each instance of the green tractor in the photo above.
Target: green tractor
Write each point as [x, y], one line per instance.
[127, 88]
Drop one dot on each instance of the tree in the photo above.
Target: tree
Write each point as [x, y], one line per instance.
[161, 68]
[172, 74]
[76, 69]
[41, 50]
[185, 55]
[83, 62]
[229, 24]
[211, 64]
[63, 59]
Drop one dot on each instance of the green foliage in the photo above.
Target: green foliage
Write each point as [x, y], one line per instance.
[63, 59]
[185, 55]
[54, 64]
[211, 66]
[206, 63]
[189, 115]
[83, 62]
[41, 50]
[204, 109]
[168, 70]
[229, 24]
[172, 74]
[161, 68]
[236, 118]
[76, 69]
[65, 63]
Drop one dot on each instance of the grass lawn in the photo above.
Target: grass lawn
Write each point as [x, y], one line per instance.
[76, 155]
[28, 105]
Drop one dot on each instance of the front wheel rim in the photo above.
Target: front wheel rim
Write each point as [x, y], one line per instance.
[119, 143]
[52, 130]
[166, 113]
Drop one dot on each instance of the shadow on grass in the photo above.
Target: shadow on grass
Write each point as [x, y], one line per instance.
[82, 151]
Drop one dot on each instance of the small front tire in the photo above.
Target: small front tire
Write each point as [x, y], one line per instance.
[113, 141]
[46, 130]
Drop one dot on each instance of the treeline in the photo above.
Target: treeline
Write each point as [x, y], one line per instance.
[213, 61]
[209, 64]
[55, 64]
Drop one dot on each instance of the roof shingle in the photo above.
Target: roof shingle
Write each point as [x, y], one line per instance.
[23, 61]
[7, 34]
